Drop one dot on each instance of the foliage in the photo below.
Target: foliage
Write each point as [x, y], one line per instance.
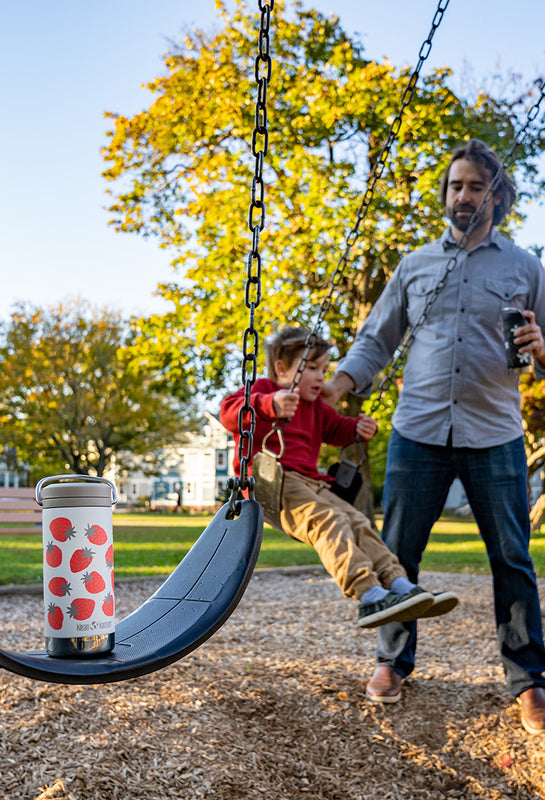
[71, 398]
[533, 412]
[181, 171]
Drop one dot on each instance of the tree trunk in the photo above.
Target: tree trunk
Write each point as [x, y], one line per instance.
[351, 406]
[537, 513]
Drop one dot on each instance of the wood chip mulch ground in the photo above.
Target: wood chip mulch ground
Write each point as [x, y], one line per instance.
[273, 706]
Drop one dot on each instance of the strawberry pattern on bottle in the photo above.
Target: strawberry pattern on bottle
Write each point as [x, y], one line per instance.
[79, 600]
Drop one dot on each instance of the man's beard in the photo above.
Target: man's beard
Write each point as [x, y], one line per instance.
[462, 222]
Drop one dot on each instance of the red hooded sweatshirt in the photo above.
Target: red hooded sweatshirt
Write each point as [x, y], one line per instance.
[313, 423]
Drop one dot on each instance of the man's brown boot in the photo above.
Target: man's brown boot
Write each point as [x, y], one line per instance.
[384, 686]
[532, 709]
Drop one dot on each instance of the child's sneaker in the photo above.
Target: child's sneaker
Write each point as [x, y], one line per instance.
[395, 608]
[443, 602]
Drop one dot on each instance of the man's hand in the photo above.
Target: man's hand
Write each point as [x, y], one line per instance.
[531, 337]
[285, 403]
[366, 427]
[333, 390]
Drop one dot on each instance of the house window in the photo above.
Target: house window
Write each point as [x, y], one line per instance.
[221, 458]
[189, 489]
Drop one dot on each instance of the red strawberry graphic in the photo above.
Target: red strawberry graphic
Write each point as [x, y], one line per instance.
[55, 616]
[61, 529]
[81, 608]
[53, 554]
[108, 605]
[112, 580]
[110, 556]
[96, 534]
[81, 559]
[94, 582]
[59, 587]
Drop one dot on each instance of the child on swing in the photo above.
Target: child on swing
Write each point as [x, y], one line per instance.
[350, 551]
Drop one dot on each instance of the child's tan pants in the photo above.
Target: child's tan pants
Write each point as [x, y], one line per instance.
[342, 536]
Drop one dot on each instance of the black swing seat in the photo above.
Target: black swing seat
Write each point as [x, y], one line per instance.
[192, 603]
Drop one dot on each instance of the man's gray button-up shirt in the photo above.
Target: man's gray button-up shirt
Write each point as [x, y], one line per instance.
[456, 376]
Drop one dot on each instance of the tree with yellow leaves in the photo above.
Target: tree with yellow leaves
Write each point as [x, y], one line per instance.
[71, 399]
[181, 170]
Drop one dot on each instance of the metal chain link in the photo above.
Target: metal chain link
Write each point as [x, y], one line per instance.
[410, 334]
[372, 180]
[252, 286]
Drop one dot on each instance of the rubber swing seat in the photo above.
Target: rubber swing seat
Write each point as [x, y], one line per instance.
[192, 603]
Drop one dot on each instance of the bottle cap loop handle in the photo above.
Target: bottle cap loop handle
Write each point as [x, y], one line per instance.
[91, 478]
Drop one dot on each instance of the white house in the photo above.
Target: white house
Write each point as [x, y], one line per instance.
[12, 472]
[193, 475]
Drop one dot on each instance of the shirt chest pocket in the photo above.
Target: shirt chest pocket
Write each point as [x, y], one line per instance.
[502, 294]
[419, 294]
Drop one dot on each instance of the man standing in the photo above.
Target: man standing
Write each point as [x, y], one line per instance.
[459, 414]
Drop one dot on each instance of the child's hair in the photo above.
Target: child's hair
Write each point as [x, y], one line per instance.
[289, 343]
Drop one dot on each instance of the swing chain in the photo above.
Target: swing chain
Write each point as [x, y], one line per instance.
[252, 286]
[374, 177]
[382, 159]
[410, 334]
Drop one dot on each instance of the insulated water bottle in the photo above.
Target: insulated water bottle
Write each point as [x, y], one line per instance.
[78, 567]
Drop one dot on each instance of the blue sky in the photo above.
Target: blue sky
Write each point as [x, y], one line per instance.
[63, 63]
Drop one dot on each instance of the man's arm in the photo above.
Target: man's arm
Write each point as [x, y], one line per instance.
[334, 389]
[373, 346]
[530, 338]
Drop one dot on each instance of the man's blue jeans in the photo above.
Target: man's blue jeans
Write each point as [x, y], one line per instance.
[418, 478]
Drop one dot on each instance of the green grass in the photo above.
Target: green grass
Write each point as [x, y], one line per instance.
[144, 545]
[456, 546]
[151, 544]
